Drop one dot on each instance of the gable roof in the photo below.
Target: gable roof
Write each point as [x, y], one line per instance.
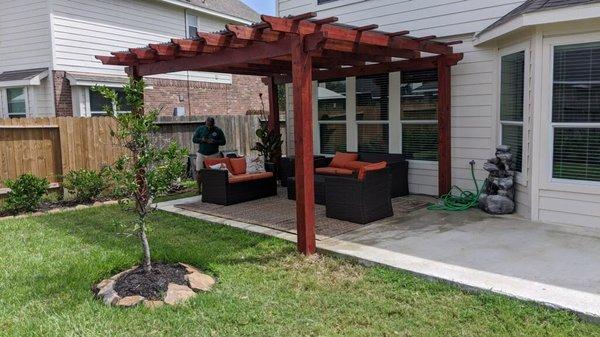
[532, 6]
[231, 7]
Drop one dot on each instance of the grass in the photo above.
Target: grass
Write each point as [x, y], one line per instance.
[48, 263]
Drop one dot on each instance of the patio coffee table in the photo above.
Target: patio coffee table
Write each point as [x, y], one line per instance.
[319, 189]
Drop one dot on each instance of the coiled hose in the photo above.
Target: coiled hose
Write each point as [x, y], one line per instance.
[462, 200]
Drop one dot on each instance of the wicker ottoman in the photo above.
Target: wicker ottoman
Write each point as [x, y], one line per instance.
[319, 189]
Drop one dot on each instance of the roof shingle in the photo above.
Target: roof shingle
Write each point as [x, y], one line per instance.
[532, 6]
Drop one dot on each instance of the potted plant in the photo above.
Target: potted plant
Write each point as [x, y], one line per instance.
[269, 144]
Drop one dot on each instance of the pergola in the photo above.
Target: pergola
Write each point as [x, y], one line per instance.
[300, 49]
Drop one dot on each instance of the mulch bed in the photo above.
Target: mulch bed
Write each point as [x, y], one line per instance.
[151, 285]
[280, 213]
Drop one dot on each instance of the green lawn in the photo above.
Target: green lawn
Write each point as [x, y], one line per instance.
[48, 264]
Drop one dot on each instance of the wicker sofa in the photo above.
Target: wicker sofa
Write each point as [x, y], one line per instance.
[359, 199]
[397, 166]
[218, 187]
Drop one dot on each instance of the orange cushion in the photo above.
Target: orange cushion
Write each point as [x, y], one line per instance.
[238, 165]
[208, 162]
[362, 173]
[342, 158]
[249, 177]
[333, 171]
[356, 165]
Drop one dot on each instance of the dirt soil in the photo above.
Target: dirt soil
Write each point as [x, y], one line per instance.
[152, 285]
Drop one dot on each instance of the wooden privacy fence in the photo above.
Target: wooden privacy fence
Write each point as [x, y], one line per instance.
[51, 147]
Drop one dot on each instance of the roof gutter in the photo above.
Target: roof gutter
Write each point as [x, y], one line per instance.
[574, 13]
[207, 11]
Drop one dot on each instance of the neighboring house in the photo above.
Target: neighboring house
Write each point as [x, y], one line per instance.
[47, 50]
[530, 78]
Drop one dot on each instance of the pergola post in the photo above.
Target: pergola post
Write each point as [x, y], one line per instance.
[444, 127]
[303, 139]
[273, 106]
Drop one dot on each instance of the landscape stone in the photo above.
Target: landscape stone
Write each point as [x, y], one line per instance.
[177, 293]
[105, 287]
[111, 297]
[153, 304]
[497, 204]
[189, 268]
[130, 301]
[503, 148]
[199, 281]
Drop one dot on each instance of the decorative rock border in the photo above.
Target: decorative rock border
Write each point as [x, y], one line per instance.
[176, 293]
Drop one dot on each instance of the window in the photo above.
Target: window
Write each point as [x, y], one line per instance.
[418, 115]
[17, 102]
[98, 102]
[372, 113]
[192, 25]
[576, 112]
[331, 98]
[512, 92]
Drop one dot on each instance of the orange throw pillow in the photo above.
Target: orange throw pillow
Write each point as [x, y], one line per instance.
[362, 173]
[238, 165]
[208, 162]
[341, 159]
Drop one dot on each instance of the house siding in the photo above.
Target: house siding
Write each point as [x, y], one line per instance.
[85, 28]
[24, 35]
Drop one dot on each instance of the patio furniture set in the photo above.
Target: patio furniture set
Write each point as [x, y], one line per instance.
[355, 187]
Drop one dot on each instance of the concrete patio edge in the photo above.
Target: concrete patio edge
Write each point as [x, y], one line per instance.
[586, 305]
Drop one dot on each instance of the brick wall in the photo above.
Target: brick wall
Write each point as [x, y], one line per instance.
[203, 98]
[62, 94]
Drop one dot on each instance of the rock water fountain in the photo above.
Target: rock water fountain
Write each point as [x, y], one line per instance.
[498, 196]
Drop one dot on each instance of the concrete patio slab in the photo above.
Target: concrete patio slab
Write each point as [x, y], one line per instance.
[550, 264]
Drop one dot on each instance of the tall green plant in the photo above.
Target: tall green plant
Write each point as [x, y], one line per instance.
[270, 141]
[149, 168]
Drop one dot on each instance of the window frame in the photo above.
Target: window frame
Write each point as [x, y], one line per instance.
[7, 113]
[547, 159]
[318, 122]
[525, 47]
[414, 122]
[88, 107]
[359, 122]
[188, 24]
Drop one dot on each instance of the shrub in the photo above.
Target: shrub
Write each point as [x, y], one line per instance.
[26, 193]
[84, 184]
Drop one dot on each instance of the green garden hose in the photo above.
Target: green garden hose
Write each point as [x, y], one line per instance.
[462, 200]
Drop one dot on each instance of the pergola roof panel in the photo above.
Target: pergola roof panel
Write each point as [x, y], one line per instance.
[264, 49]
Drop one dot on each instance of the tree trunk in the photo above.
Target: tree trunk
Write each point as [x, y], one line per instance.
[146, 247]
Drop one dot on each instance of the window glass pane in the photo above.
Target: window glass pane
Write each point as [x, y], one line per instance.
[333, 138]
[123, 104]
[577, 154]
[16, 102]
[98, 102]
[332, 100]
[372, 98]
[513, 135]
[512, 87]
[373, 138]
[419, 91]
[192, 22]
[420, 141]
[576, 88]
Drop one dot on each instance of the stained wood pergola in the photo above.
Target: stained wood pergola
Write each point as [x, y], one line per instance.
[300, 49]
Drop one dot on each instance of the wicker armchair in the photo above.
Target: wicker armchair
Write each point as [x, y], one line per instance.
[350, 199]
[217, 188]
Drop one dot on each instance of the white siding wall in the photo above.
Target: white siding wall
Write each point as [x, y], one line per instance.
[24, 35]
[85, 28]
[422, 17]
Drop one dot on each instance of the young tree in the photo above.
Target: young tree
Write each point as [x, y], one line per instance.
[150, 168]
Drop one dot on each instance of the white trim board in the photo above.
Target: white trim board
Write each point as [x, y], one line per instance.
[206, 11]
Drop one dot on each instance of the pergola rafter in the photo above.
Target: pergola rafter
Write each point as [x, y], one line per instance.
[299, 49]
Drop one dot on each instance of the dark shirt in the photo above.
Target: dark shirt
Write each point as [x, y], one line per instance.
[203, 134]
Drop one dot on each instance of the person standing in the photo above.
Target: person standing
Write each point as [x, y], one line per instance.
[209, 137]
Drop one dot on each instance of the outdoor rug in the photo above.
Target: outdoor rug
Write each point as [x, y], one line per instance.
[280, 213]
